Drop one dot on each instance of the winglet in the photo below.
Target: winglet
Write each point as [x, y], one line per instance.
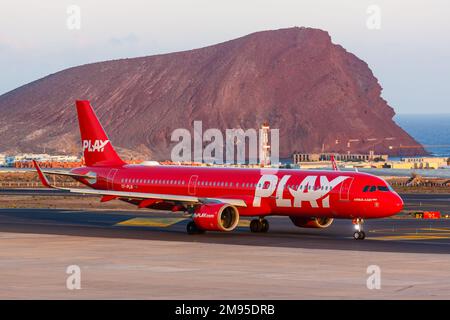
[42, 177]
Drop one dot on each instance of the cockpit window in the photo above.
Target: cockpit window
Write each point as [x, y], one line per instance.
[373, 188]
[366, 188]
[383, 188]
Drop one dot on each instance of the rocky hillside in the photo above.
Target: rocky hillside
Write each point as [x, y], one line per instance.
[314, 91]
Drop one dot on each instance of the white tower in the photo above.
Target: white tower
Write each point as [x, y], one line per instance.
[264, 152]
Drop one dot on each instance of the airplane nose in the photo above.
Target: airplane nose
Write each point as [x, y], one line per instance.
[398, 203]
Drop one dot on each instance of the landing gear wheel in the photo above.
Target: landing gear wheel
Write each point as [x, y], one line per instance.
[192, 228]
[255, 226]
[359, 233]
[264, 225]
[259, 225]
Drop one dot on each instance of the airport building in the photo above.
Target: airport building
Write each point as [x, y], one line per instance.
[420, 163]
[316, 157]
[19, 159]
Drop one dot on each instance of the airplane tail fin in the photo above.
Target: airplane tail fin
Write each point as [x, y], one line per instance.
[97, 149]
[333, 163]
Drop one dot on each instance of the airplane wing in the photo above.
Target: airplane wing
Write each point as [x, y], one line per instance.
[111, 194]
[68, 174]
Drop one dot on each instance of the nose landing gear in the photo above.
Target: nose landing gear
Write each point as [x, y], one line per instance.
[359, 233]
[259, 225]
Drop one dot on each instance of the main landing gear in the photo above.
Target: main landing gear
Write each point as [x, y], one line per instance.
[259, 225]
[359, 233]
[192, 228]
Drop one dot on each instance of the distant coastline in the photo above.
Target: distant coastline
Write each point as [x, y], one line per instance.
[431, 130]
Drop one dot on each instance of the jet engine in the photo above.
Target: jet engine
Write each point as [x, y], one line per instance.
[301, 222]
[216, 217]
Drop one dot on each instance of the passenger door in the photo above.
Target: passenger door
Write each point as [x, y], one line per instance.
[345, 189]
[110, 179]
[192, 187]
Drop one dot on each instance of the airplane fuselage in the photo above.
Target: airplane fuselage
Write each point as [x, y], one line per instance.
[303, 193]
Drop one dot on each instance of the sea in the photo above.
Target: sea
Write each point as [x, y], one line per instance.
[431, 130]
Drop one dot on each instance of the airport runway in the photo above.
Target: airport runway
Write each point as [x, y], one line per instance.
[397, 234]
[147, 254]
[385, 235]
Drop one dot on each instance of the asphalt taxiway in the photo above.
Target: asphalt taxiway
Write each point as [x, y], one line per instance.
[147, 254]
[383, 235]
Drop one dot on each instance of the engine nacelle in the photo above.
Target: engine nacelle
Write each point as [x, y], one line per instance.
[216, 217]
[312, 222]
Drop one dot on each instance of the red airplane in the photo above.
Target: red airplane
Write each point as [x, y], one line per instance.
[217, 197]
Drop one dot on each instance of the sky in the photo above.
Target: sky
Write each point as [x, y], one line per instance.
[405, 42]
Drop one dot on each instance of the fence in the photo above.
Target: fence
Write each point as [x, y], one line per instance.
[420, 184]
[17, 184]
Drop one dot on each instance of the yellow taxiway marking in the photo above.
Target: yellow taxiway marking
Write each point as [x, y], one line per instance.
[244, 223]
[150, 222]
[412, 237]
[162, 222]
[415, 234]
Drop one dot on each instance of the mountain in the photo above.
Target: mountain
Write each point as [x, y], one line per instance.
[317, 94]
